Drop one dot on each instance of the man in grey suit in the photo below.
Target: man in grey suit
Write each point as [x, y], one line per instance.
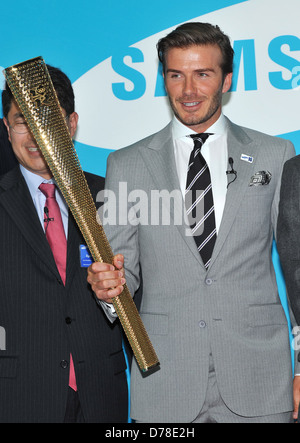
[211, 307]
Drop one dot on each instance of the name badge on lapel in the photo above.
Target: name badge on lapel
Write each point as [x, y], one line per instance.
[261, 178]
[85, 257]
[247, 158]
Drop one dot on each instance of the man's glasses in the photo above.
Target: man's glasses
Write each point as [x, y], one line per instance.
[21, 127]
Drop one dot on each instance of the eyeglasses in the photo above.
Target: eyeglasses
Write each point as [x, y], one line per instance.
[21, 127]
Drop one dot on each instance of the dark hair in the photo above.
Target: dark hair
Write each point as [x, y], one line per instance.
[62, 86]
[201, 34]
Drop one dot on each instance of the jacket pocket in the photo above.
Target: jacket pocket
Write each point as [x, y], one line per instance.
[266, 315]
[8, 366]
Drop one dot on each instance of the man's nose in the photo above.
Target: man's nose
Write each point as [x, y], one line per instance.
[189, 86]
[30, 138]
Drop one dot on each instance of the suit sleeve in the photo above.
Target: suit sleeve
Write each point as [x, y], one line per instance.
[118, 218]
[288, 154]
[288, 246]
[7, 158]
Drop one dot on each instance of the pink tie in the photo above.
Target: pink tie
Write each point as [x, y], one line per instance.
[56, 237]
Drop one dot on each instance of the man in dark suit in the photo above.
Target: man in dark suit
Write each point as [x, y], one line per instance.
[288, 244]
[7, 158]
[63, 360]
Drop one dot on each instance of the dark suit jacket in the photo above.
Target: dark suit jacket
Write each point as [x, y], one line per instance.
[288, 232]
[45, 321]
[7, 157]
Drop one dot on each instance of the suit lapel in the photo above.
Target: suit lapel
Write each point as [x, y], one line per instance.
[74, 240]
[160, 161]
[16, 200]
[238, 143]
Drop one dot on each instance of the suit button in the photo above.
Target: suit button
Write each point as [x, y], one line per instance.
[68, 320]
[202, 324]
[209, 281]
[64, 364]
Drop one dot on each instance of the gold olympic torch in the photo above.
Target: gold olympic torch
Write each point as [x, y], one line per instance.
[34, 93]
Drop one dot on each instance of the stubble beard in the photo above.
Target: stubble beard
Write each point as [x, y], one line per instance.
[195, 120]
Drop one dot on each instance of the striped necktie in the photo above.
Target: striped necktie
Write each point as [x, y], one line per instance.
[199, 201]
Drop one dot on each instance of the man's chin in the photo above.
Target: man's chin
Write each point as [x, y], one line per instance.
[197, 120]
[191, 121]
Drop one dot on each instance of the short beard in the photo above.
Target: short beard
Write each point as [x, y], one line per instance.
[213, 109]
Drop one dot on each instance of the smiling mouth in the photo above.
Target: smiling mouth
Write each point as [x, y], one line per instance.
[35, 152]
[190, 105]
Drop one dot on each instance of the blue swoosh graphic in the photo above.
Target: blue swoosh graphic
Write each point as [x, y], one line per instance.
[92, 159]
[89, 33]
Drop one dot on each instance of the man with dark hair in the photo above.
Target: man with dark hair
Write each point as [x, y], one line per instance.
[210, 302]
[200, 34]
[63, 360]
[63, 88]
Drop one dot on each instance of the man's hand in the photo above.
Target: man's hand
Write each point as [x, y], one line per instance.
[107, 280]
[296, 397]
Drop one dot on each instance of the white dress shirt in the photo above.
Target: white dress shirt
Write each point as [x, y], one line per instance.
[33, 182]
[215, 153]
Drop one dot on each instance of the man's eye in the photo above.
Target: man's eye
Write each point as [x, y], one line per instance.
[175, 75]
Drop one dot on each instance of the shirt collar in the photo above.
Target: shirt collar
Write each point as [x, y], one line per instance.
[33, 181]
[179, 130]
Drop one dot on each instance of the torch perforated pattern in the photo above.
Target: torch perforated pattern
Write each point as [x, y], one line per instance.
[33, 91]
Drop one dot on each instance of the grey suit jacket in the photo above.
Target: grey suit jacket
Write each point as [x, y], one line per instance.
[232, 311]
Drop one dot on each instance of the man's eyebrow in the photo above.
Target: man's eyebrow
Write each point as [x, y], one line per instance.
[18, 115]
[177, 71]
[205, 70]
[174, 70]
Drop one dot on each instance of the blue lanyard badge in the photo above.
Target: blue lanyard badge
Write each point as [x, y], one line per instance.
[85, 257]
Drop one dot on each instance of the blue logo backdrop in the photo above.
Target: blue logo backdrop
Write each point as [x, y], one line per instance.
[108, 51]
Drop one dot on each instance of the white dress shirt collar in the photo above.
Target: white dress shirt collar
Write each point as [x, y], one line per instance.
[33, 181]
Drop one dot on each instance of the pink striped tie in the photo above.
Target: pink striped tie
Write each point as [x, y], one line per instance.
[56, 237]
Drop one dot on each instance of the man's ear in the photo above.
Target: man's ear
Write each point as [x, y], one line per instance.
[73, 122]
[7, 127]
[227, 83]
